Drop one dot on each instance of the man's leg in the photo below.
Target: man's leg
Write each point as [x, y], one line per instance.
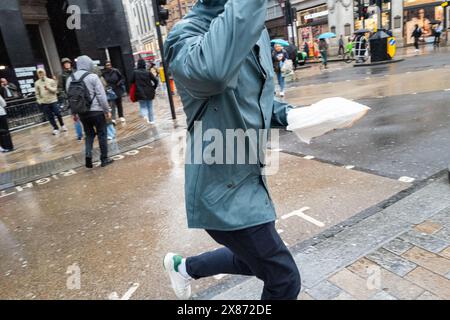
[57, 113]
[255, 251]
[102, 134]
[46, 108]
[119, 106]
[89, 131]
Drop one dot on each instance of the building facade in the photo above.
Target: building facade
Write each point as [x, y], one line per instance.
[141, 23]
[178, 9]
[318, 16]
[38, 33]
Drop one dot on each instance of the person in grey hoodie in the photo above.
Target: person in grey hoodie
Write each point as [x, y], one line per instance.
[94, 121]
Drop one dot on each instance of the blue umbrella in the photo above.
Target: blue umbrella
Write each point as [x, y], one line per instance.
[327, 35]
[282, 42]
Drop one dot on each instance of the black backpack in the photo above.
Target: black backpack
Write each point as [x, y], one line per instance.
[78, 95]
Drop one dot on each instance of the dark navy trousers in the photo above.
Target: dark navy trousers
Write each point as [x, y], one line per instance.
[257, 251]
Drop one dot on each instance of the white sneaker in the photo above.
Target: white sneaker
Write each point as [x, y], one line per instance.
[282, 94]
[146, 119]
[55, 132]
[122, 120]
[152, 122]
[180, 284]
[64, 129]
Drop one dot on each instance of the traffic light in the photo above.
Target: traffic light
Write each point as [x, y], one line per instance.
[162, 14]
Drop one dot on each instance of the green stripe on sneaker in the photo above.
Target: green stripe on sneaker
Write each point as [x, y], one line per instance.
[177, 260]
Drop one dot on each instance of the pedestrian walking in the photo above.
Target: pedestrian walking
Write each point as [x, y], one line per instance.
[62, 93]
[306, 49]
[146, 85]
[47, 97]
[279, 57]
[6, 144]
[417, 33]
[341, 46]
[230, 201]
[360, 48]
[88, 101]
[323, 48]
[116, 81]
[437, 35]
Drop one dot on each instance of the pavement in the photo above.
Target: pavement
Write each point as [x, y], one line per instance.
[365, 211]
[401, 252]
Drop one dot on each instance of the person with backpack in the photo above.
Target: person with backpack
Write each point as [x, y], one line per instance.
[115, 80]
[146, 84]
[417, 33]
[46, 96]
[88, 101]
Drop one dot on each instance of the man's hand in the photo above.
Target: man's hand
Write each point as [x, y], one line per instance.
[108, 115]
[75, 118]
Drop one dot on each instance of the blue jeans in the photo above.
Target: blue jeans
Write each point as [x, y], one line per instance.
[257, 251]
[281, 81]
[146, 107]
[111, 129]
[78, 129]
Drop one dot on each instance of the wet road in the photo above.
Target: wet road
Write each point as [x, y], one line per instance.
[407, 133]
[114, 225]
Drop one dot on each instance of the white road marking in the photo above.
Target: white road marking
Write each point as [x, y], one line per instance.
[309, 158]
[406, 179]
[277, 150]
[447, 89]
[301, 214]
[280, 231]
[127, 295]
[414, 93]
[349, 167]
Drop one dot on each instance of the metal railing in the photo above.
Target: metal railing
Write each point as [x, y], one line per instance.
[26, 112]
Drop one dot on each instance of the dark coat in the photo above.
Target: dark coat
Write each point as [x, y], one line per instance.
[146, 84]
[115, 80]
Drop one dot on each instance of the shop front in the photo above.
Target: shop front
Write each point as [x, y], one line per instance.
[372, 22]
[426, 14]
[310, 24]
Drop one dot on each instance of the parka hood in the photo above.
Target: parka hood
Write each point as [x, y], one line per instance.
[85, 63]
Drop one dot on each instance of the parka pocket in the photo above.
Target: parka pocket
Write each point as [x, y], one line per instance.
[214, 191]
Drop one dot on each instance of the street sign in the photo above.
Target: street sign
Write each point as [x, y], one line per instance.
[391, 47]
[444, 4]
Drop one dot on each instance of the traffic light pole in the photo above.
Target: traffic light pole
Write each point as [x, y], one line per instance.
[164, 63]
[166, 75]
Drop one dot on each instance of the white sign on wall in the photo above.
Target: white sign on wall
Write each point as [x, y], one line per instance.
[316, 15]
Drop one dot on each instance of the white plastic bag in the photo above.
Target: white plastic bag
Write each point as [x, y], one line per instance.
[287, 68]
[325, 116]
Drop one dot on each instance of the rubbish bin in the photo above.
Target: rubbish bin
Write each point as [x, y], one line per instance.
[379, 46]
